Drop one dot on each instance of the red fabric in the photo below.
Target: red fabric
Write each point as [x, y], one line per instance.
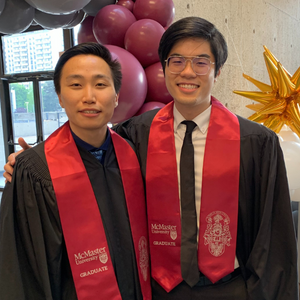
[136, 204]
[163, 201]
[82, 226]
[163, 205]
[220, 193]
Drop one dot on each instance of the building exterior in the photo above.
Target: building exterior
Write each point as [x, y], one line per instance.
[32, 52]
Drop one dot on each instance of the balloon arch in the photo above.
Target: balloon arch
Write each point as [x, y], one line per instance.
[131, 30]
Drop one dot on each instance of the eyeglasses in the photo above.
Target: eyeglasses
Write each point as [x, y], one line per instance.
[200, 65]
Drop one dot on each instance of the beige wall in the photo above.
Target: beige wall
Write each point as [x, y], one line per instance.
[247, 26]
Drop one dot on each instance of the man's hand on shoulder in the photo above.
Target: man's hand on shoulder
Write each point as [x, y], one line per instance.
[9, 166]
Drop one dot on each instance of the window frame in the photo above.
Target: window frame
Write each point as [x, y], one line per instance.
[35, 78]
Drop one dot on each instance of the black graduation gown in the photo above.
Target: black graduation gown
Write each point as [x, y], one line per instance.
[33, 258]
[266, 244]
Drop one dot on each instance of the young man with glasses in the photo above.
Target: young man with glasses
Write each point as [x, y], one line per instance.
[218, 206]
[219, 215]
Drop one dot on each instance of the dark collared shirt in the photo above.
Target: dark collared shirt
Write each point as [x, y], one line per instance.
[99, 153]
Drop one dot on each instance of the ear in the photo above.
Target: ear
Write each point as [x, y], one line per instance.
[60, 101]
[218, 74]
[117, 100]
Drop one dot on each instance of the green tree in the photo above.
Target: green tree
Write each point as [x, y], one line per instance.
[30, 99]
[49, 97]
[20, 93]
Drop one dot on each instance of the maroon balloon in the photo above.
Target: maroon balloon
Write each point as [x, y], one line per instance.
[142, 40]
[85, 33]
[134, 84]
[162, 11]
[149, 106]
[111, 24]
[157, 90]
[126, 3]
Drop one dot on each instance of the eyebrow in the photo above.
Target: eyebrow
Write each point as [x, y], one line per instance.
[77, 76]
[200, 55]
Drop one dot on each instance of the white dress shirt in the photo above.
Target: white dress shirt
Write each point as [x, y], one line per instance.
[199, 139]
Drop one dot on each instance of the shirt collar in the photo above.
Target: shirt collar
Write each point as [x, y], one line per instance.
[202, 120]
[89, 147]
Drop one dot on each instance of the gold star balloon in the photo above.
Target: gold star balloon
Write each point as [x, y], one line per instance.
[278, 103]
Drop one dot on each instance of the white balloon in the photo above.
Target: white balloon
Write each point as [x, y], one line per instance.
[280, 138]
[2, 5]
[288, 135]
[16, 16]
[31, 3]
[295, 195]
[49, 21]
[95, 5]
[58, 7]
[291, 152]
[77, 19]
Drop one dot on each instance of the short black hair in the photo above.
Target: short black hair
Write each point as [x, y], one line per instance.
[194, 27]
[89, 49]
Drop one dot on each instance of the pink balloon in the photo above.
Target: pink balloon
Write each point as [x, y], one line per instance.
[111, 24]
[85, 33]
[162, 11]
[134, 84]
[157, 90]
[126, 3]
[142, 40]
[149, 106]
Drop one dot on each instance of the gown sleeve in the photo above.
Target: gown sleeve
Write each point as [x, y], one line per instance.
[136, 130]
[272, 261]
[31, 256]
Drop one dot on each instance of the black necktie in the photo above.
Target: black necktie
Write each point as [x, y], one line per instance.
[189, 257]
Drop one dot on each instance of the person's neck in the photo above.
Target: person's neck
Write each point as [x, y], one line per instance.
[93, 137]
[191, 112]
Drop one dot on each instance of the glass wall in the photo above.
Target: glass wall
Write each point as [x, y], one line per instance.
[28, 62]
[23, 112]
[32, 51]
[2, 154]
[75, 34]
[53, 116]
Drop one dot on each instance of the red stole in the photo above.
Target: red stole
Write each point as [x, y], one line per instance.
[82, 226]
[219, 200]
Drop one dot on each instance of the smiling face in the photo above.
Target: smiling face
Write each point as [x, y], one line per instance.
[88, 96]
[191, 92]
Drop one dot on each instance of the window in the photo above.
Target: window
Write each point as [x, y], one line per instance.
[75, 34]
[30, 106]
[33, 40]
[2, 153]
[23, 112]
[53, 116]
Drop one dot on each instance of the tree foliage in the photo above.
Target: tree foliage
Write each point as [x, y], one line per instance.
[25, 99]
[20, 92]
[49, 97]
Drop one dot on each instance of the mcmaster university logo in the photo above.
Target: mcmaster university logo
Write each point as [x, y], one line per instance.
[164, 229]
[89, 255]
[173, 234]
